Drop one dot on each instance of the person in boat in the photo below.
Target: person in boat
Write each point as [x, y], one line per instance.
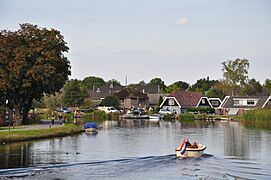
[189, 145]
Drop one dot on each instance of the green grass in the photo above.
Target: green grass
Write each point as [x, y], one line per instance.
[186, 117]
[257, 115]
[16, 135]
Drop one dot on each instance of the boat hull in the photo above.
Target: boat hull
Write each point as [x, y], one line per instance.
[91, 130]
[192, 152]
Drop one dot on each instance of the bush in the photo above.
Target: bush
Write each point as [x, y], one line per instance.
[169, 117]
[202, 110]
[186, 116]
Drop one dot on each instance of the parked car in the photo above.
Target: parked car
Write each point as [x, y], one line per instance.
[108, 109]
[64, 110]
[165, 111]
[139, 112]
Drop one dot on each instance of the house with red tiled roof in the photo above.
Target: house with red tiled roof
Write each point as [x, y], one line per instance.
[179, 102]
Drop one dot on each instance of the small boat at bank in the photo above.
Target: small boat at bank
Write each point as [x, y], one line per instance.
[154, 117]
[91, 127]
[190, 150]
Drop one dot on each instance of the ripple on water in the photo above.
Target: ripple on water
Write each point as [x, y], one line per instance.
[149, 167]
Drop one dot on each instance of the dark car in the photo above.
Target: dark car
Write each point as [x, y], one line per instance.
[139, 112]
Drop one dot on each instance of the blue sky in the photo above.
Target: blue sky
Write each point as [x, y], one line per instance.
[174, 39]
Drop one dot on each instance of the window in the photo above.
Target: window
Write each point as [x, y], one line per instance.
[250, 102]
[203, 101]
[171, 102]
[215, 103]
[236, 102]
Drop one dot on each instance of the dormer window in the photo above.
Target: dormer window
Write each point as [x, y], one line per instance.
[251, 102]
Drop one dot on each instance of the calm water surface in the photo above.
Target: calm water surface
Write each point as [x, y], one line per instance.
[138, 149]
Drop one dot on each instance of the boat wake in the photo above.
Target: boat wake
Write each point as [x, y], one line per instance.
[126, 163]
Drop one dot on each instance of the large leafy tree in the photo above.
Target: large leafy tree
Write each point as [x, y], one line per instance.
[253, 87]
[177, 86]
[91, 81]
[111, 100]
[203, 85]
[113, 82]
[235, 73]
[267, 86]
[156, 82]
[73, 93]
[32, 63]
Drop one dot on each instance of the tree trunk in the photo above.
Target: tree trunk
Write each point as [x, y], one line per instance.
[17, 115]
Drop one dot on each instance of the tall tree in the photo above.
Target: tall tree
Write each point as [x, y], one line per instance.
[267, 86]
[177, 86]
[253, 87]
[113, 82]
[91, 81]
[32, 63]
[111, 100]
[235, 73]
[73, 93]
[156, 82]
[203, 85]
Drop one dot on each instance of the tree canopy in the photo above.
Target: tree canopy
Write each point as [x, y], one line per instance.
[203, 85]
[111, 100]
[32, 63]
[91, 81]
[73, 93]
[235, 73]
[156, 82]
[177, 86]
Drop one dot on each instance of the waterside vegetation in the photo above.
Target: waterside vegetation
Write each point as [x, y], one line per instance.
[257, 115]
[16, 135]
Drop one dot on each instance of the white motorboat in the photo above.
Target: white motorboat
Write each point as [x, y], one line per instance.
[154, 117]
[195, 150]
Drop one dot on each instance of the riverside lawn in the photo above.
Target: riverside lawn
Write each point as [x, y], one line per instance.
[16, 135]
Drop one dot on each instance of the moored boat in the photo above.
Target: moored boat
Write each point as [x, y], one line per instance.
[188, 150]
[154, 117]
[91, 127]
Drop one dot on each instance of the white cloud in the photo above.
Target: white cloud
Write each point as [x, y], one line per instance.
[182, 21]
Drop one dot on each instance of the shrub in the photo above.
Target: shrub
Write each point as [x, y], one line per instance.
[186, 116]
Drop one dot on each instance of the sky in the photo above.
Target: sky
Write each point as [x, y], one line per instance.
[175, 40]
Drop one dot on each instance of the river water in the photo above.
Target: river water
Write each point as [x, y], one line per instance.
[139, 149]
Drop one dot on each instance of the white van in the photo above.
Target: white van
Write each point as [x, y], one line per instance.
[108, 109]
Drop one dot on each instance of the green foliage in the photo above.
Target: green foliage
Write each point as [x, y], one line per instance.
[158, 104]
[156, 82]
[113, 82]
[73, 94]
[169, 117]
[202, 110]
[253, 87]
[215, 93]
[92, 81]
[258, 115]
[267, 85]
[111, 100]
[53, 101]
[177, 86]
[203, 85]
[235, 73]
[186, 116]
[32, 64]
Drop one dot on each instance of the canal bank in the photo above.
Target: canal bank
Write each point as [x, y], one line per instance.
[37, 132]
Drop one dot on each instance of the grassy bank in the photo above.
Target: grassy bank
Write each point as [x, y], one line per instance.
[257, 115]
[25, 135]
